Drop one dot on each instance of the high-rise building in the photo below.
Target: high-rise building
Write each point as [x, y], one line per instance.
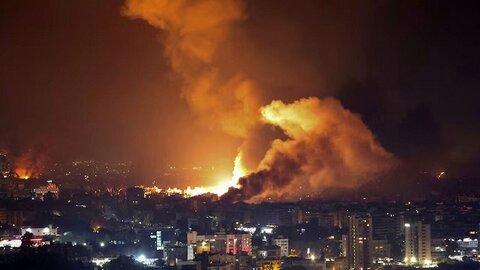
[359, 239]
[380, 249]
[418, 247]
[278, 216]
[323, 219]
[282, 242]
[386, 226]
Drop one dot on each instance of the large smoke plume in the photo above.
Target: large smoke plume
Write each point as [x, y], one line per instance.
[327, 146]
[195, 31]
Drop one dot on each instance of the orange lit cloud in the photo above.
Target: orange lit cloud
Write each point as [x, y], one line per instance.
[327, 147]
[195, 30]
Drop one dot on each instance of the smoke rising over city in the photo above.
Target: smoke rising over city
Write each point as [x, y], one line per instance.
[239, 134]
[184, 83]
[327, 146]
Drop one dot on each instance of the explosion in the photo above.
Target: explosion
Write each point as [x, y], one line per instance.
[327, 145]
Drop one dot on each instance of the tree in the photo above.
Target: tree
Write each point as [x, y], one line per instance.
[27, 240]
[451, 247]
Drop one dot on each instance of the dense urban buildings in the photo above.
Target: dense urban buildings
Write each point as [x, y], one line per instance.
[159, 228]
[239, 135]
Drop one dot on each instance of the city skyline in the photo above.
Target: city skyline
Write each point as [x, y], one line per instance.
[239, 135]
[106, 88]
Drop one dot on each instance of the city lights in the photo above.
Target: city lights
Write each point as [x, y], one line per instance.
[239, 135]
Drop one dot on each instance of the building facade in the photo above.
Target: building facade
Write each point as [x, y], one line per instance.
[359, 246]
[43, 231]
[418, 247]
[283, 244]
[228, 243]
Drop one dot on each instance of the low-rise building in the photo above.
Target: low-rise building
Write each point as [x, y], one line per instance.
[226, 242]
[282, 242]
[49, 188]
[40, 231]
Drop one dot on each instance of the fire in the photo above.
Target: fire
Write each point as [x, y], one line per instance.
[28, 166]
[238, 169]
[223, 100]
[221, 188]
[23, 173]
[327, 146]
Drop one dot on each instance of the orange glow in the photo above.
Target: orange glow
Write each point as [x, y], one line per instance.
[96, 228]
[196, 30]
[223, 186]
[327, 146]
[219, 189]
[238, 169]
[23, 173]
[225, 101]
[28, 165]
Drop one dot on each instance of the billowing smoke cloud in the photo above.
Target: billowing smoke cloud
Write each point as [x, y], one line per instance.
[327, 147]
[195, 30]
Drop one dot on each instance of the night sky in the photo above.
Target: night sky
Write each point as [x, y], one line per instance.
[79, 80]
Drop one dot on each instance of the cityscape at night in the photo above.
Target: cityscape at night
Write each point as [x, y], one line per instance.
[239, 134]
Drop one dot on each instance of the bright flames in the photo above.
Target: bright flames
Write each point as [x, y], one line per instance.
[327, 146]
[219, 189]
[23, 173]
[222, 187]
[28, 165]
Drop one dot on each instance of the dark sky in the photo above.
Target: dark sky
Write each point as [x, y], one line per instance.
[78, 80]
